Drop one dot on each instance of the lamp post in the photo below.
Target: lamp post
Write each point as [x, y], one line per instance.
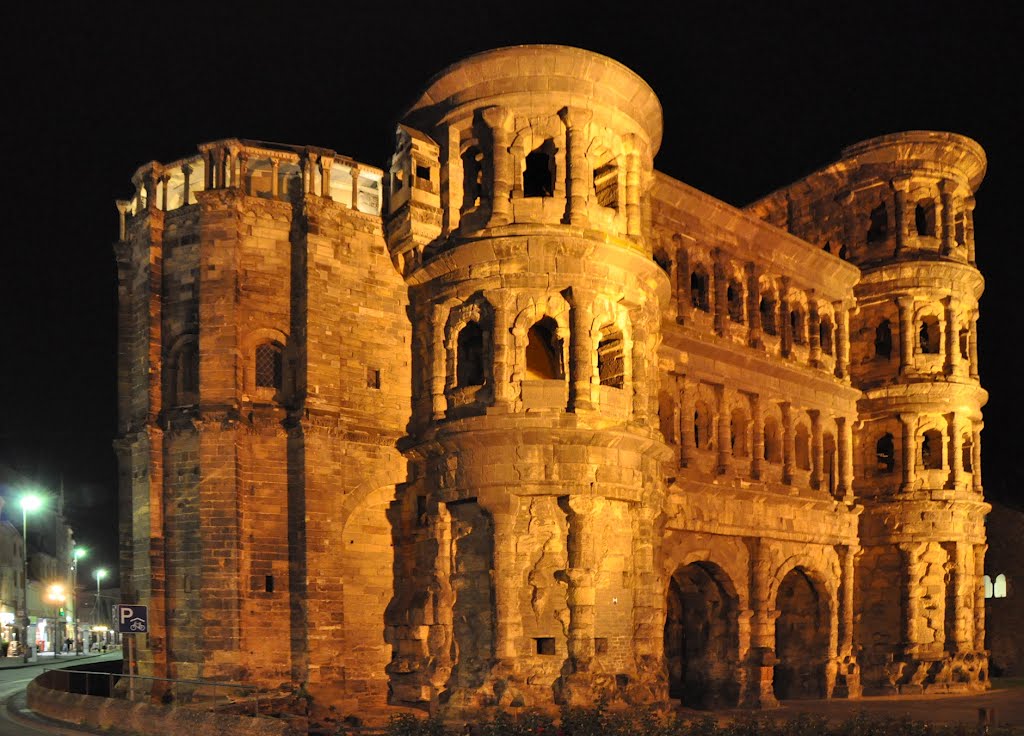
[76, 554]
[57, 595]
[99, 574]
[29, 502]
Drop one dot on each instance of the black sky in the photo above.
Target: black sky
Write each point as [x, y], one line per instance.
[755, 95]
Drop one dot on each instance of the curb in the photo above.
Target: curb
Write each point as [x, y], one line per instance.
[53, 663]
[18, 710]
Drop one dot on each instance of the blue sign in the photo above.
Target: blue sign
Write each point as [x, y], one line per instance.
[132, 619]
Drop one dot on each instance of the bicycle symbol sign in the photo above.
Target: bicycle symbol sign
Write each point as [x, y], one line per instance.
[132, 619]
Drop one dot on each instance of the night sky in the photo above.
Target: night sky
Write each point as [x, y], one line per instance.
[755, 95]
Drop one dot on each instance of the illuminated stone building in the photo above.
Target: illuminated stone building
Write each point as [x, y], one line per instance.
[519, 420]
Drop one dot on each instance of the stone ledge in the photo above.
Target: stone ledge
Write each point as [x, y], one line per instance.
[145, 719]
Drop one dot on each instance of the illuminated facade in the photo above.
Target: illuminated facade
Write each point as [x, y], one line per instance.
[520, 420]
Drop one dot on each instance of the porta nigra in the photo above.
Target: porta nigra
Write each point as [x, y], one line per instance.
[518, 420]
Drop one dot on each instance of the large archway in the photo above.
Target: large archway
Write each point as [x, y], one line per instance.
[801, 638]
[701, 637]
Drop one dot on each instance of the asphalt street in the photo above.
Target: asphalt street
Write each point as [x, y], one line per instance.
[15, 718]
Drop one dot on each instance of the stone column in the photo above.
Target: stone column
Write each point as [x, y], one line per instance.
[503, 509]
[909, 457]
[579, 171]
[648, 600]
[842, 341]
[499, 119]
[788, 442]
[581, 594]
[208, 170]
[123, 207]
[952, 347]
[186, 171]
[501, 343]
[979, 597]
[243, 171]
[844, 449]
[275, 178]
[689, 404]
[724, 433]
[848, 671]
[972, 343]
[785, 329]
[963, 602]
[436, 348]
[634, 224]
[956, 460]
[581, 349]
[817, 449]
[901, 186]
[757, 437]
[637, 348]
[969, 204]
[813, 333]
[309, 164]
[230, 175]
[721, 289]
[911, 569]
[354, 204]
[761, 660]
[906, 307]
[754, 304]
[946, 189]
[452, 179]
[976, 459]
[163, 179]
[326, 162]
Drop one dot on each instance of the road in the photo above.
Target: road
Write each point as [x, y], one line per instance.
[14, 680]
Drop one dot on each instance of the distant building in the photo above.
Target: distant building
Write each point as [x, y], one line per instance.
[1004, 591]
[520, 420]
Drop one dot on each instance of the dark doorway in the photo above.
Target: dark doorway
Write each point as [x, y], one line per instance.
[801, 639]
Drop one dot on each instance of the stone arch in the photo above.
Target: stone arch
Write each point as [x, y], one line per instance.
[553, 306]
[768, 306]
[613, 342]
[803, 601]
[544, 136]
[930, 329]
[798, 316]
[476, 310]
[367, 569]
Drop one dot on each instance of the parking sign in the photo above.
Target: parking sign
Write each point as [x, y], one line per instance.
[132, 618]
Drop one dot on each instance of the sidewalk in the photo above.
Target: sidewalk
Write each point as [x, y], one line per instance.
[48, 659]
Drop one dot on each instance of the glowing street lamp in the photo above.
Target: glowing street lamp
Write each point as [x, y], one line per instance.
[57, 595]
[99, 574]
[28, 502]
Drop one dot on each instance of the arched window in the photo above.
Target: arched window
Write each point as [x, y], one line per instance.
[544, 350]
[772, 443]
[883, 340]
[539, 174]
[825, 330]
[269, 372]
[967, 452]
[924, 217]
[931, 450]
[802, 447]
[999, 587]
[469, 359]
[699, 288]
[734, 297]
[879, 227]
[186, 378]
[768, 310]
[472, 177]
[988, 587]
[703, 422]
[965, 343]
[885, 454]
[738, 433]
[929, 334]
[610, 361]
[796, 325]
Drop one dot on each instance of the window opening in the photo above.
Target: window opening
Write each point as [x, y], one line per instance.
[539, 175]
[469, 359]
[796, 325]
[967, 453]
[545, 645]
[772, 446]
[699, 283]
[734, 297]
[929, 334]
[373, 378]
[885, 454]
[958, 228]
[268, 583]
[544, 350]
[879, 227]
[767, 309]
[472, 178]
[423, 172]
[802, 447]
[988, 587]
[924, 218]
[610, 361]
[702, 424]
[422, 519]
[606, 185]
[600, 645]
[268, 366]
[999, 587]
[965, 343]
[738, 433]
[931, 450]
[825, 332]
[883, 339]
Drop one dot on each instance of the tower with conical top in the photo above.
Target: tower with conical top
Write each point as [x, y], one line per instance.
[526, 534]
[901, 208]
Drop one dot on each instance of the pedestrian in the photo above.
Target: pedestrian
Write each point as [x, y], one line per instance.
[67, 645]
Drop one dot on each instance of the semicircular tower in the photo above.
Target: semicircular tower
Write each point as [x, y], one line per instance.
[525, 537]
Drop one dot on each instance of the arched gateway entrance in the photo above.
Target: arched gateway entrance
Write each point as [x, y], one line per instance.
[701, 637]
[801, 638]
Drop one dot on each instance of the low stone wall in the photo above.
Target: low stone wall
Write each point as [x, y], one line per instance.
[146, 719]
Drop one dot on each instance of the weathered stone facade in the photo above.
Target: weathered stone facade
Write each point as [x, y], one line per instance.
[522, 421]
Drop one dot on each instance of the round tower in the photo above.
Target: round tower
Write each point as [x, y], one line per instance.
[525, 537]
[908, 214]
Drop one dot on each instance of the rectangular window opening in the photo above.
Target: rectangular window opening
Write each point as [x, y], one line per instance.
[268, 584]
[600, 645]
[373, 378]
[545, 645]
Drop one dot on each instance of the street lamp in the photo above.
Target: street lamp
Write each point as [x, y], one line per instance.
[58, 596]
[29, 502]
[99, 573]
[76, 554]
